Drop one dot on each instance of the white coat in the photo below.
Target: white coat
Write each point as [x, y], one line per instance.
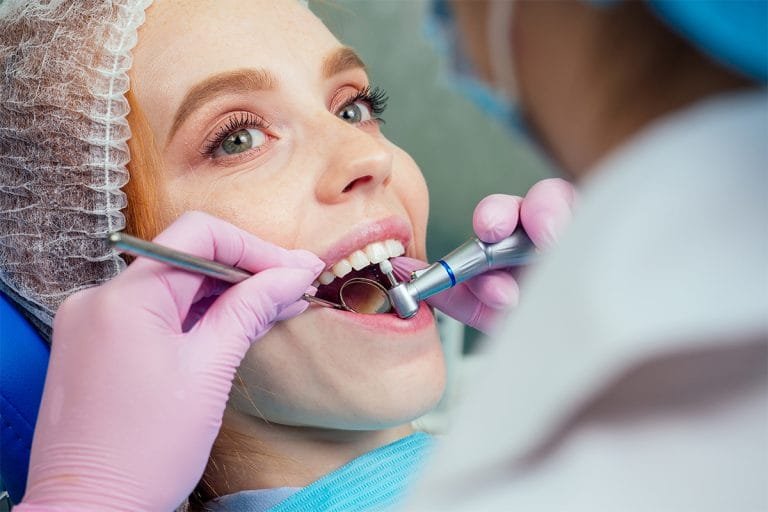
[634, 376]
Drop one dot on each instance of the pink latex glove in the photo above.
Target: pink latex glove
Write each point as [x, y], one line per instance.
[133, 400]
[482, 301]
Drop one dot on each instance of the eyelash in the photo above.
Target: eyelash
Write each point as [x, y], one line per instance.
[234, 124]
[375, 97]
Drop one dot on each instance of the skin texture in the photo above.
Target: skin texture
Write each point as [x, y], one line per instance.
[330, 388]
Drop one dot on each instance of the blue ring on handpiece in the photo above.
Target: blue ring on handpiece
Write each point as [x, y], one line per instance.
[450, 272]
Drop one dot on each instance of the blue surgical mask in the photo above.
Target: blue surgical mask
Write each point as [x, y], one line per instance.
[442, 31]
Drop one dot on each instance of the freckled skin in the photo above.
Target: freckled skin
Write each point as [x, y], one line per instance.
[314, 181]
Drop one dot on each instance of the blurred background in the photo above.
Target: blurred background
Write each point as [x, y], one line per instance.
[464, 154]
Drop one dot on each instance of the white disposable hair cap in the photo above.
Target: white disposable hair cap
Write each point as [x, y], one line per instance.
[63, 151]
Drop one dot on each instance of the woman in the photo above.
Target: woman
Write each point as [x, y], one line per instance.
[277, 135]
[283, 141]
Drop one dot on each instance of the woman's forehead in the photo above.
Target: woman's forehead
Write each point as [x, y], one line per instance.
[185, 43]
[210, 37]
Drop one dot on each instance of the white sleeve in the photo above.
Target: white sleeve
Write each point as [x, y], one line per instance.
[686, 432]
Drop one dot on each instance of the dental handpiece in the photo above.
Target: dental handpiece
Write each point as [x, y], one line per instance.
[472, 258]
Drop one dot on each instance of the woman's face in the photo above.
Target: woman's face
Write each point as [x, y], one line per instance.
[264, 119]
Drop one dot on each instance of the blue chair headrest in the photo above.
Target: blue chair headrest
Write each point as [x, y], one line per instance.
[23, 363]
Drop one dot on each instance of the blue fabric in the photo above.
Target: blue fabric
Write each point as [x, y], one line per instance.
[23, 363]
[733, 32]
[250, 501]
[374, 481]
[441, 31]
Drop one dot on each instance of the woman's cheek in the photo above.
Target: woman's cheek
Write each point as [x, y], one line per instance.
[412, 189]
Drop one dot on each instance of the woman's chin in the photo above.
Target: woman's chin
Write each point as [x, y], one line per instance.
[328, 370]
[364, 420]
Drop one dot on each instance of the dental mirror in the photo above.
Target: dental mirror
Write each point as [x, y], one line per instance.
[365, 296]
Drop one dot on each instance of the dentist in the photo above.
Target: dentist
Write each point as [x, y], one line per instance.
[633, 376]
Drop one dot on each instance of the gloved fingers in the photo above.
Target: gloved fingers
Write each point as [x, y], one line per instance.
[403, 266]
[497, 289]
[477, 302]
[198, 310]
[292, 310]
[546, 210]
[212, 288]
[208, 237]
[297, 308]
[463, 305]
[248, 309]
[496, 217]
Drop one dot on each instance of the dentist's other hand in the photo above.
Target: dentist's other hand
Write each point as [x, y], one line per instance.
[141, 368]
[544, 213]
[482, 301]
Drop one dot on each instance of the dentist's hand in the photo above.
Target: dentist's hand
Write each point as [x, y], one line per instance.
[482, 301]
[141, 368]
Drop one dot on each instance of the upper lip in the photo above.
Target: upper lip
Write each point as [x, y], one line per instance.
[389, 228]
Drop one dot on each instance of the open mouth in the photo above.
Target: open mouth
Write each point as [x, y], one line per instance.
[361, 264]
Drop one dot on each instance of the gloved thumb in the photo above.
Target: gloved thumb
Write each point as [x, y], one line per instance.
[404, 266]
[479, 302]
[496, 217]
[547, 210]
[246, 311]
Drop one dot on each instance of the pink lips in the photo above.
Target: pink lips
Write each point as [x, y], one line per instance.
[390, 323]
[393, 227]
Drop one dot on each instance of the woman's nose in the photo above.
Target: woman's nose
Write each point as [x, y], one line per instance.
[358, 163]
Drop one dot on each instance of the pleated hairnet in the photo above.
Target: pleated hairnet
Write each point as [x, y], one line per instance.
[63, 151]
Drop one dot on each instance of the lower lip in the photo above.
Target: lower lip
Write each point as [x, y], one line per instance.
[386, 322]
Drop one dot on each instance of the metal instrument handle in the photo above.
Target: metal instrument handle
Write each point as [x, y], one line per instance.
[138, 247]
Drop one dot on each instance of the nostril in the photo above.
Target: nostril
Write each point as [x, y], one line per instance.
[359, 181]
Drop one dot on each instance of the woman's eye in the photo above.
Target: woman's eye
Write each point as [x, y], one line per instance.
[242, 140]
[356, 112]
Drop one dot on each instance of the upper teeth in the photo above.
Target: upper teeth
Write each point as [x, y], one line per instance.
[370, 254]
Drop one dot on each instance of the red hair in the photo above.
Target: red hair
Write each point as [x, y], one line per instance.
[142, 214]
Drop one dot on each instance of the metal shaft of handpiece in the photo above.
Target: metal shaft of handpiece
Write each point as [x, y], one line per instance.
[472, 258]
[138, 247]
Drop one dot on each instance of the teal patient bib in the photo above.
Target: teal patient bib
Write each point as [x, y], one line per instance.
[374, 481]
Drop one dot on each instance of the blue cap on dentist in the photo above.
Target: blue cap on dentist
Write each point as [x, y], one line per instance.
[732, 32]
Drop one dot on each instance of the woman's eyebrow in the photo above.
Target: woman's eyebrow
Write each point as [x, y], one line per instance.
[213, 86]
[339, 60]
